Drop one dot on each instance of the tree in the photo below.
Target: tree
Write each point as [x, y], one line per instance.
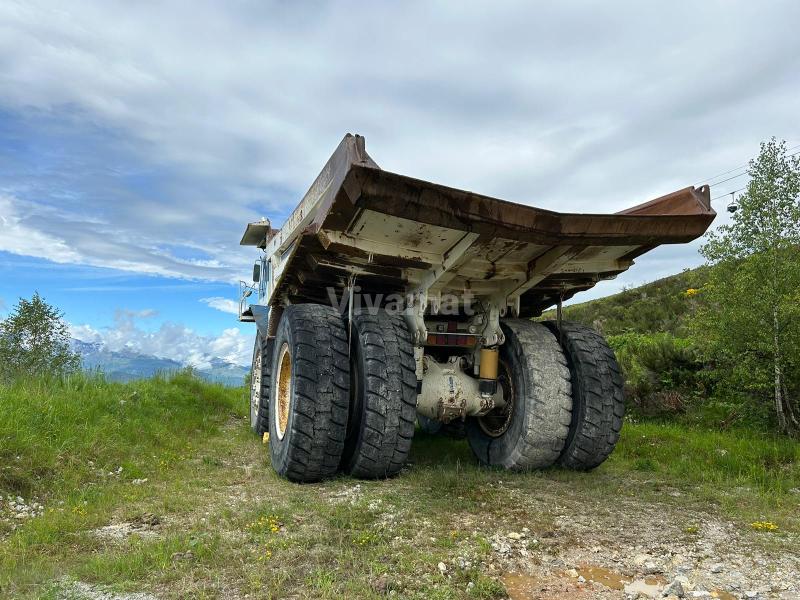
[751, 323]
[34, 340]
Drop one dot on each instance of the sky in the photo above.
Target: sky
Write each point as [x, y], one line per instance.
[138, 138]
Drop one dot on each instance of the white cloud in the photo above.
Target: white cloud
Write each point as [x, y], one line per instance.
[95, 245]
[20, 238]
[225, 305]
[233, 109]
[170, 340]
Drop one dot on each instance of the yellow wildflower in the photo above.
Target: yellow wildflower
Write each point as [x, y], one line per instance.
[764, 526]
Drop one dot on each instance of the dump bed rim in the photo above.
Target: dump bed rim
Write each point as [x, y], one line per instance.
[444, 206]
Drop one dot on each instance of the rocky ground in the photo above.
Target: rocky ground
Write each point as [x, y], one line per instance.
[15, 510]
[606, 546]
[640, 550]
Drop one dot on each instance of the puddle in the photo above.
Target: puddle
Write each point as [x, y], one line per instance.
[605, 577]
[565, 584]
[521, 587]
[546, 587]
[641, 587]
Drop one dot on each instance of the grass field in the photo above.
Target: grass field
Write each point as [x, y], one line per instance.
[196, 511]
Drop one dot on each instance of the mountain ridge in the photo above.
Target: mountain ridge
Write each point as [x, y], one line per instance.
[126, 365]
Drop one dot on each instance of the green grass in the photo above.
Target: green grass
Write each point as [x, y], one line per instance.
[748, 475]
[770, 465]
[57, 435]
[249, 532]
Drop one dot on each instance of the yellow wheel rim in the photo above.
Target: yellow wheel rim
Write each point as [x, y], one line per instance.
[283, 396]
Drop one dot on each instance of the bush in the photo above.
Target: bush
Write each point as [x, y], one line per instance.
[661, 371]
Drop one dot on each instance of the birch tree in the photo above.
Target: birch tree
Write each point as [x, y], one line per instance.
[751, 323]
[35, 340]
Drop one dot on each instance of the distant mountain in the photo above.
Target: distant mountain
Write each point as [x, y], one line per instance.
[124, 365]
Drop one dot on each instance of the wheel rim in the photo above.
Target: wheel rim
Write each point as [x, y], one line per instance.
[283, 391]
[255, 387]
[496, 422]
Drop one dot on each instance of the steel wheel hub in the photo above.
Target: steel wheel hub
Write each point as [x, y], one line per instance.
[496, 422]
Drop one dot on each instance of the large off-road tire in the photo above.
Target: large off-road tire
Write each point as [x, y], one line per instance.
[259, 384]
[598, 403]
[310, 393]
[531, 430]
[383, 396]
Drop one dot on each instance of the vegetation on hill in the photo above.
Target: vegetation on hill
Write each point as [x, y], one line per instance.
[663, 306]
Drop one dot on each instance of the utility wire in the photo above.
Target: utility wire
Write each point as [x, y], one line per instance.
[744, 166]
[729, 178]
[728, 193]
[745, 173]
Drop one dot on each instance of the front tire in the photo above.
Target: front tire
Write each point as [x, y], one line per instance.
[259, 385]
[309, 394]
[531, 430]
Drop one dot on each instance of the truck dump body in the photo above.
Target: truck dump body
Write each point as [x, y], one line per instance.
[392, 232]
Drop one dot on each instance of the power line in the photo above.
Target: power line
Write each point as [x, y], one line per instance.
[729, 178]
[721, 174]
[728, 193]
[745, 173]
[744, 166]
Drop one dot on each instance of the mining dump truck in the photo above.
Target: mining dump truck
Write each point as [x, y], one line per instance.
[384, 300]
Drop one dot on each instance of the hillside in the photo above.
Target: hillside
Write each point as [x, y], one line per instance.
[658, 307]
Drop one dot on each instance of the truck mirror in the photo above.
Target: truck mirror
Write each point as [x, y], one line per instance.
[256, 272]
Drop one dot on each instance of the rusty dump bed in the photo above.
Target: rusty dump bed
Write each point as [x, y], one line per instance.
[396, 233]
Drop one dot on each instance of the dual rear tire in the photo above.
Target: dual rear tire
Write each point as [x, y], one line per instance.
[564, 400]
[331, 406]
[598, 403]
[383, 397]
